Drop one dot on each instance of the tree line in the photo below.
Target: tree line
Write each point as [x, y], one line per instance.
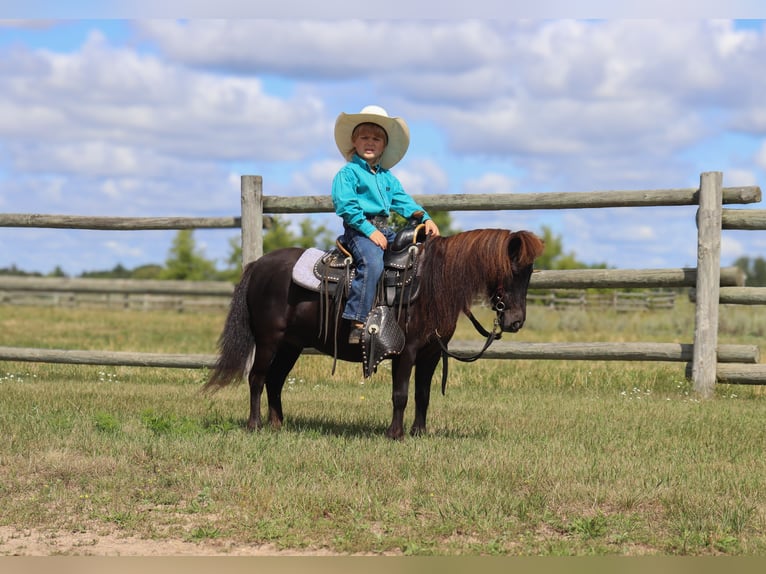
[186, 261]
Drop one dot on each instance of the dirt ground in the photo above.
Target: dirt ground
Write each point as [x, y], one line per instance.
[33, 542]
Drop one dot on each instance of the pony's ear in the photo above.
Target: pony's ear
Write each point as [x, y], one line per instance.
[525, 247]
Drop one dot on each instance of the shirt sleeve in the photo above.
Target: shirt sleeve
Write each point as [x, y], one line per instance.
[402, 203]
[346, 202]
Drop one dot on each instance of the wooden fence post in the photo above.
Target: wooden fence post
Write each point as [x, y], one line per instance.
[252, 218]
[704, 363]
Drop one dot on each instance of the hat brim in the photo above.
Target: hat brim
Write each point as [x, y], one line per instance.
[396, 128]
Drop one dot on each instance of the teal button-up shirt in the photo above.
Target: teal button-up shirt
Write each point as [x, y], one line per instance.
[358, 193]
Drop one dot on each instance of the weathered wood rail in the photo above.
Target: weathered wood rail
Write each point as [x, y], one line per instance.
[541, 279]
[667, 352]
[707, 360]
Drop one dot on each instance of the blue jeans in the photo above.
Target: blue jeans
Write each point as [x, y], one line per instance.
[368, 259]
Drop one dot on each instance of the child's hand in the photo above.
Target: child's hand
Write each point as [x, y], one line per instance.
[379, 239]
[431, 227]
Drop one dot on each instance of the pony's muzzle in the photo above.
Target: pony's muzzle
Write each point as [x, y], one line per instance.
[512, 320]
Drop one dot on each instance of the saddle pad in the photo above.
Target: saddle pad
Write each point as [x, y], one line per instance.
[303, 271]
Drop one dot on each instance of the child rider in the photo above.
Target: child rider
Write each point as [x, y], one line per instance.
[364, 192]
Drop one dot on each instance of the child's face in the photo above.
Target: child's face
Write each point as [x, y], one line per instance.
[369, 143]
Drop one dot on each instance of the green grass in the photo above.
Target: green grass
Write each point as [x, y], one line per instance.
[521, 458]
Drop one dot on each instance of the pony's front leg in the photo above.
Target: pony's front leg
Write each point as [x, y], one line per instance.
[425, 366]
[400, 376]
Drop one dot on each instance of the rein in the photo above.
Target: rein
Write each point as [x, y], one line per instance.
[498, 306]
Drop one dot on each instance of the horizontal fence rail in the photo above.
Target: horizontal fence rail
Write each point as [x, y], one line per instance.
[116, 223]
[747, 219]
[738, 295]
[439, 202]
[678, 352]
[529, 201]
[739, 374]
[626, 278]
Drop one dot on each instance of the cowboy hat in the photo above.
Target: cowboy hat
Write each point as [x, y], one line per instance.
[396, 129]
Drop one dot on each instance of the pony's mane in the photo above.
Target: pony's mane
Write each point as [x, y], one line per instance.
[458, 268]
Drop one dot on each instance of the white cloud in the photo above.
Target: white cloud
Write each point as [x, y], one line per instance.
[490, 183]
[760, 156]
[315, 180]
[123, 250]
[737, 177]
[731, 249]
[110, 94]
[323, 49]
[423, 176]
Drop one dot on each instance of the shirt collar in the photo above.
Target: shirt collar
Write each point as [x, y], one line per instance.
[359, 161]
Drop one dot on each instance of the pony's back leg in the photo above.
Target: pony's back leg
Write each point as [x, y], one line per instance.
[255, 381]
[256, 378]
[280, 367]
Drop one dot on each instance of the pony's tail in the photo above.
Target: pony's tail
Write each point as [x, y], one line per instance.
[236, 344]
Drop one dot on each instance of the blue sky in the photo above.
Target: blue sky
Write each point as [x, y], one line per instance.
[154, 117]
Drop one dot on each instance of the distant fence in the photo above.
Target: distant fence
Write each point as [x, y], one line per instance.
[707, 361]
[191, 296]
[132, 294]
[620, 301]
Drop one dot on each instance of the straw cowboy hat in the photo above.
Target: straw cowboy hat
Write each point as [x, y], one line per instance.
[396, 128]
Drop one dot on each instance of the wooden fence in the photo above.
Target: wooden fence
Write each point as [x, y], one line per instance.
[707, 361]
[189, 296]
[131, 294]
[618, 300]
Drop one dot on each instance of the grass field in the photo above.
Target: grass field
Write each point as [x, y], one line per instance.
[521, 458]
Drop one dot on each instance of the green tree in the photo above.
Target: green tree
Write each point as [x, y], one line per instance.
[185, 261]
[147, 271]
[233, 262]
[314, 235]
[442, 218]
[755, 269]
[276, 235]
[14, 270]
[554, 256]
[57, 272]
[118, 272]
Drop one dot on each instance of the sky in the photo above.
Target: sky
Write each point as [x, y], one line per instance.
[145, 116]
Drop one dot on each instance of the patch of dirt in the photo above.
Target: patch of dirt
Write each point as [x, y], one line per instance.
[35, 542]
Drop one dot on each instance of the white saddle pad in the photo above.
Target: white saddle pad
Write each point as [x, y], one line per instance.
[303, 272]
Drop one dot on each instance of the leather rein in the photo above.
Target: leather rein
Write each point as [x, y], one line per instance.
[498, 306]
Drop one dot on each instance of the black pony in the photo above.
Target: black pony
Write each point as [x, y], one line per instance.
[272, 319]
